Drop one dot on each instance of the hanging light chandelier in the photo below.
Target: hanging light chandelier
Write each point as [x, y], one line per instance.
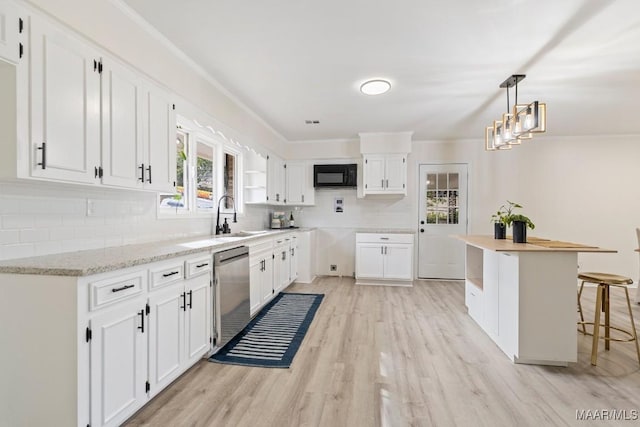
[518, 123]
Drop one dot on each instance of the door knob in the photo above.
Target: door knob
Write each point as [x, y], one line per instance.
[422, 230]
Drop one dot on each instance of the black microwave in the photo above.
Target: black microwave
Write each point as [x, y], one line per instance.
[335, 175]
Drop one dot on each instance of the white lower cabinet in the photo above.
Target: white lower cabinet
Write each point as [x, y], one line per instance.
[260, 273]
[179, 324]
[118, 363]
[384, 256]
[281, 264]
[305, 256]
[293, 259]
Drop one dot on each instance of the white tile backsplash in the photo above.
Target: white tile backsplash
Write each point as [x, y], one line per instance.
[44, 218]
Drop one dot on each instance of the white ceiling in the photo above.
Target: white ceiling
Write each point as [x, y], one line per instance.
[294, 60]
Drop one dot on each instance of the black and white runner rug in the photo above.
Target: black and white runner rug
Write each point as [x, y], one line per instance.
[273, 337]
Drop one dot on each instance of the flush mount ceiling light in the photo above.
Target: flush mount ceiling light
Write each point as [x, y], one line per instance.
[375, 87]
[518, 124]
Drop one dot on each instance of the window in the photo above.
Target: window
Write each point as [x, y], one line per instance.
[442, 198]
[178, 201]
[205, 181]
[229, 174]
[206, 168]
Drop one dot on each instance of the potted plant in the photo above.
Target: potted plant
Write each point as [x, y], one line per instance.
[520, 225]
[499, 219]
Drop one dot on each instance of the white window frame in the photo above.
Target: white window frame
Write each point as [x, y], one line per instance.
[194, 135]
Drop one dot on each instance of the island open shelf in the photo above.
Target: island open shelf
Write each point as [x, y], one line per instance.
[523, 295]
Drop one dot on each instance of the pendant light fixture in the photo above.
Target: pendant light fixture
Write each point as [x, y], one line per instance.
[517, 124]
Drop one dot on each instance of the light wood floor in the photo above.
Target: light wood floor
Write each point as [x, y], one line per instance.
[396, 356]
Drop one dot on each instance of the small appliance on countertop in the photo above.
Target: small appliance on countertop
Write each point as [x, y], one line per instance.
[279, 221]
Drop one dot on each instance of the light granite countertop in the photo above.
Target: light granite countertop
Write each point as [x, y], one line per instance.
[86, 263]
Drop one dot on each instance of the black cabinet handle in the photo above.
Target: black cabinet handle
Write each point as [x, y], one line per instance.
[190, 299]
[43, 163]
[141, 327]
[184, 301]
[20, 50]
[122, 288]
[141, 167]
[148, 170]
[202, 265]
[95, 171]
[170, 274]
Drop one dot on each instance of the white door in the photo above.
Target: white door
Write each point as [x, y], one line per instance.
[397, 261]
[8, 31]
[275, 180]
[395, 173]
[65, 105]
[166, 340]
[442, 212]
[121, 126]
[369, 260]
[196, 321]
[295, 173]
[118, 363]
[293, 260]
[374, 173]
[269, 274]
[255, 282]
[160, 141]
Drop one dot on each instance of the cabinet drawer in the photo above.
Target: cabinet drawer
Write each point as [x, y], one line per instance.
[384, 238]
[198, 266]
[165, 275]
[115, 289]
[260, 246]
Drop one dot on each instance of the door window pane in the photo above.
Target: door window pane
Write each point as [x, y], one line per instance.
[442, 204]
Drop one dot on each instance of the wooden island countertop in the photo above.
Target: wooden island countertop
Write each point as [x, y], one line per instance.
[534, 244]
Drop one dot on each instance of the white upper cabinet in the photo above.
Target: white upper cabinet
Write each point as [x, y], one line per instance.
[122, 144]
[159, 141]
[275, 180]
[65, 105]
[385, 174]
[299, 183]
[9, 29]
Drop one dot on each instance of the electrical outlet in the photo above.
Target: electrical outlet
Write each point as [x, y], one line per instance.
[334, 267]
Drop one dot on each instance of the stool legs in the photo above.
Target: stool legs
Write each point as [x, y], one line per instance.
[584, 329]
[633, 324]
[607, 323]
[596, 325]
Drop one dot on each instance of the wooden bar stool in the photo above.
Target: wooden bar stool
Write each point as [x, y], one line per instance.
[604, 282]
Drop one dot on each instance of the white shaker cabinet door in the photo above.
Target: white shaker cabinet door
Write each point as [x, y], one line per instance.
[65, 105]
[166, 339]
[198, 299]
[160, 141]
[396, 173]
[369, 260]
[256, 269]
[118, 363]
[269, 277]
[8, 31]
[398, 261]
[374, 176]
[121, 126]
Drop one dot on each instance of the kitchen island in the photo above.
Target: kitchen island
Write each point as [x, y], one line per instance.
[523, 295]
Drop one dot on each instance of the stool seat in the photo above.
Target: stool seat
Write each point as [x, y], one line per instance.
[604, 282]
[606, 278]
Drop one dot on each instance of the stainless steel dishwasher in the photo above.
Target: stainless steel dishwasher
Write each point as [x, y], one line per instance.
[231, 301]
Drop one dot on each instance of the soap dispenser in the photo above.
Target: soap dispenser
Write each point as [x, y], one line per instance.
[225, 227]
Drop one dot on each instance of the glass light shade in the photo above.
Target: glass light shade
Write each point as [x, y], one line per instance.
[375, 87]
[508, 124]
[532, 117]
[498, 136]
